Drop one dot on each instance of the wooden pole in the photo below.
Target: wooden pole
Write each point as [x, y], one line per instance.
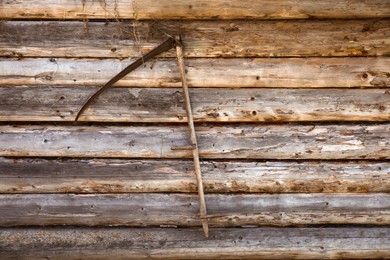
[195, 150]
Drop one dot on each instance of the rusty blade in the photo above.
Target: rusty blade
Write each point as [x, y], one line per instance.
[163, 47]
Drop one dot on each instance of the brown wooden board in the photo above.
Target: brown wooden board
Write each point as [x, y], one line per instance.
[154, 209]
[233, 73]
[244, 141]
[163, 243]
[28, 175]
[178, 9]
[242, 38]
[61, 103]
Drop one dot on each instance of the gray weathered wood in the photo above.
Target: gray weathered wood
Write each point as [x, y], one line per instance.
[153, 209]
[117, 176]
[260, 72]
[262, 141]
[39, 103]
[178, 9]
[164, 243]
[201, 38]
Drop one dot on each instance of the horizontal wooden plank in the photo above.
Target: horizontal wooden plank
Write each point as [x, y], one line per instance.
[201, 38]
[239, 72]
[284, 141]
[39, 103]
[220, 9]
[116, 176]
[232, 243]
[154, 209]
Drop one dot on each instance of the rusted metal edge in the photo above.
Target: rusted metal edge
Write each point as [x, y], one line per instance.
[195, 151]
[163, 47]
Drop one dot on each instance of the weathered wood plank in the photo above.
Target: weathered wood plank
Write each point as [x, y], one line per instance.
[239, 72]
[159, 243]
[201, 38]
[116, 176]
[220, 9]
[285, 141]
[154, 209]
[39, 103]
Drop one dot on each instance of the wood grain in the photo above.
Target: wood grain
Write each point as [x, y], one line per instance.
[61, 103]
[233, 73]
[158, 243]
[242, 38]
[43, 79]
[220, 9]
[27, 175]
[163, 243]
[224, 210]
[249, 141]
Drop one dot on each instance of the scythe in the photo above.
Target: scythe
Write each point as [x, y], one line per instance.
[168, 44]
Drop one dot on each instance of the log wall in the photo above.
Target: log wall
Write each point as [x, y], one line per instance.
[291, 104]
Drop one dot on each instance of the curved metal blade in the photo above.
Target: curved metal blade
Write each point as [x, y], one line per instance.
[163, 47]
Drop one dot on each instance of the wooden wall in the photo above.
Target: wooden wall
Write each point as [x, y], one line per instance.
[291, 101]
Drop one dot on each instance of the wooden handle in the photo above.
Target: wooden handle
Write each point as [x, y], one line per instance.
[195, 151]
